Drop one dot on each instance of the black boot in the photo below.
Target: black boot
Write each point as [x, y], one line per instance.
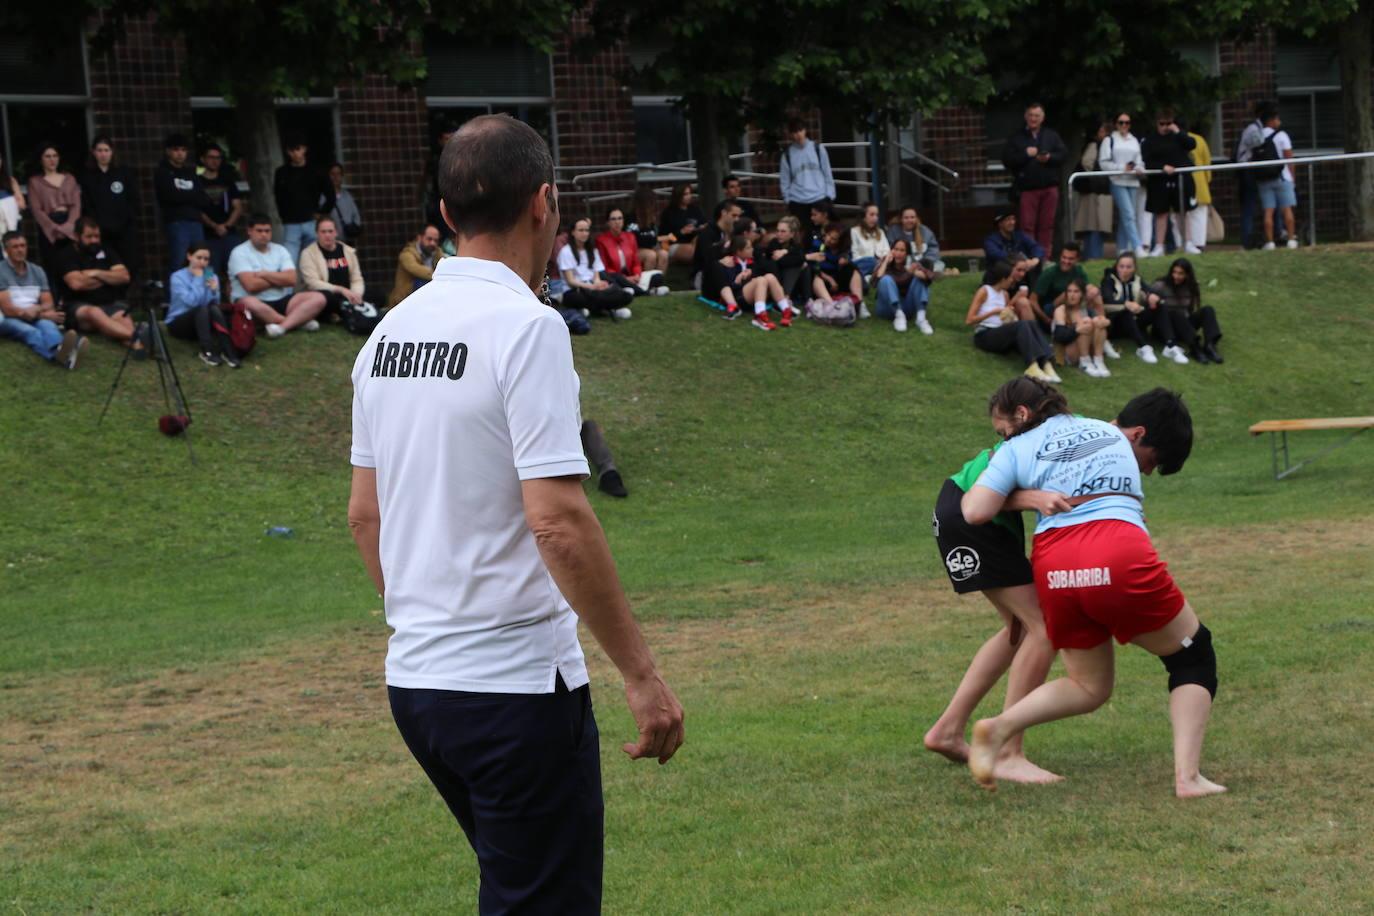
[1210, 350]
[611, 483]
[1199, 354]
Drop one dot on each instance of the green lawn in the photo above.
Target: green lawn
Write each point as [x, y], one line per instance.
[192, 717]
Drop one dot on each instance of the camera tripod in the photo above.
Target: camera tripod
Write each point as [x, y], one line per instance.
[155, 345]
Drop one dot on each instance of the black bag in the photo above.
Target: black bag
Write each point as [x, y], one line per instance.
[1267, 151]
[361, 318]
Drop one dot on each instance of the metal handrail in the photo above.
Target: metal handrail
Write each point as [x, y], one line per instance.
[916, 154]
[1239, 167]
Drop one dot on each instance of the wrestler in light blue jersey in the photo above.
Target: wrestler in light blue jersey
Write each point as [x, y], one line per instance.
[1076, 456]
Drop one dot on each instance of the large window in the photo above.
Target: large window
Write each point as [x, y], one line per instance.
[1309, 86]
[43, 99]
[467, 80]
[661, 132]
[1207, 57]
[314, 120]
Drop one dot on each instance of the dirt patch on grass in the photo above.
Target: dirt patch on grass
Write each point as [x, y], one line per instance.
[279, 731]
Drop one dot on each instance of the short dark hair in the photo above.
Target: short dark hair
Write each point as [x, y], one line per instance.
[10, 236]
[1168, 426]
[174, 140]
[1071, 246]
[1266, 110]
[795, 124]
[293, 140]
[740, 242]
[489, 170]
[723, 205]
[1165, 113]
[742, 225]
[727, 179]
[209, 148]
[193, 247]
[1041, 398]
[257, 219]
[87, 222]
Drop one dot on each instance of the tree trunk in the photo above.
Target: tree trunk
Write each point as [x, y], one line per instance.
[708, 146]
[255, 115]
[1356, 35]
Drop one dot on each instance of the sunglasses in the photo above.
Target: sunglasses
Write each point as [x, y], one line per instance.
[1123, 120]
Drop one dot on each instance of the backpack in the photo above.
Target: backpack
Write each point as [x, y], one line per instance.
[360, 319]
[837, 313]
[242, 332]
[1267, 151]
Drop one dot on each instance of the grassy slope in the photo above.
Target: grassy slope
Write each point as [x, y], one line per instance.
[766, 470]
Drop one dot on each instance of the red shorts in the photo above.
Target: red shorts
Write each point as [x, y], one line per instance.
[1101, 579]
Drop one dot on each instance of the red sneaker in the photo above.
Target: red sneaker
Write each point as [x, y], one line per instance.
[786, 319]
[762, 322]
[731, 313]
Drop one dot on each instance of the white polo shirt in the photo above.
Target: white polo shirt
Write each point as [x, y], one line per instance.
[462, 391]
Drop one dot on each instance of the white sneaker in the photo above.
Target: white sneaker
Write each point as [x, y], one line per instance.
[586, 313]
[1147, 354]
[1109, 351]
[1176, 354]
[275, 330]
[1190, 248]
[863, 311]
[899, 321]
[1292, 243]
[1157, 251]
[1267, 246]
[660, 290]
[622, 313]
[1050, 375]
[924, 325]
[1102, 370]
[1142, 252]
[1090, 370]
[312, 325]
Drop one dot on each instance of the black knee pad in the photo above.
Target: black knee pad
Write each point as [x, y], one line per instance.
[1196, 663]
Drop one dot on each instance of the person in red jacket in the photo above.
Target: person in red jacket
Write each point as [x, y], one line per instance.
[619, 251]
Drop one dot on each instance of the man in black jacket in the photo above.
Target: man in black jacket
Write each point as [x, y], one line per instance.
[1034, 155]
[303, 195]
[179, 198]
[1168, 149]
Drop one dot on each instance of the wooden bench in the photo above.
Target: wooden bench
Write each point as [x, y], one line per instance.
[1278, 431]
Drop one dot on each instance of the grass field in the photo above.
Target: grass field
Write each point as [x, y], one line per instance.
[192, 715]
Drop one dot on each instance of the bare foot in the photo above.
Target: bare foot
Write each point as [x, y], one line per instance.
[982, 754]
[1019, 769]
[1197, 787]
[953, 747]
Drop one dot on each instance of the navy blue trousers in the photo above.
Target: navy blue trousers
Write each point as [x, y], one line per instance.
[522, 775]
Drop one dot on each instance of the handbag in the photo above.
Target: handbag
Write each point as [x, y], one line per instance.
[1216, 228]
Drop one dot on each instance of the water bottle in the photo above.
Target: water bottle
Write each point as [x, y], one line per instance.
[280, 531]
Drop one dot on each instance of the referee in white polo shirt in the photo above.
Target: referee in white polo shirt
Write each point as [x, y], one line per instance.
[468, 509]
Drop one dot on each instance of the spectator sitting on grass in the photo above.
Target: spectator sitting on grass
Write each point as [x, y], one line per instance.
[193, 311]
[27, 313]
[780, 254]
[713, 241]
[730, 282]
[653, 248]
[1019, 290]
[1054, 280]
[730, 184]
[682, 219]
[1082, 331]
[998, 330]
[331, 268]
[835, 274]
[96, 283]
[1182, 315]
[920, 240]
[1127, 305]
[818, 217]
[867, 243]
[588, 284]
[620, 249]
[1006, 240]
[901, 294]
[414, 265]
[262, 281]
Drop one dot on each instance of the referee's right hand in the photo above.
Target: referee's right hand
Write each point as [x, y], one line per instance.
[658, 715]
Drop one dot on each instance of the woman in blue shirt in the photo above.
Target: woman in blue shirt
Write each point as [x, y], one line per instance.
[193, 312]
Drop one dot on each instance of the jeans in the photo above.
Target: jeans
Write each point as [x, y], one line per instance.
[296, 236]
[1127, 230]
[1093, 245]
[890, 298]
[1249, 207]
[180, 234]
[41, 336]
[220, 248]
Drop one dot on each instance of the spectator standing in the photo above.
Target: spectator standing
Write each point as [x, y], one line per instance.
[1201, 214]
[1165, 150]
[303, 195]
[867, 242]
[804, 173]
[1127, 305]
[1182, 315]
[414, 265]
[180, 199]
[330, 267]
[653, 248]
[681, 221]
[27, 312]
[12, 200]
[998, 330]
[1278, 193]
[345, 214]
[584, 272]
[620, 250]
[1006, 242]
[1092, 217]
[55, 202]
[1034, 156]
[1250, 139]
[193, 311]
[222, 208]
[732, 187]
[96, 286]
[1119, 152]
[108, 193]
[262, 281]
